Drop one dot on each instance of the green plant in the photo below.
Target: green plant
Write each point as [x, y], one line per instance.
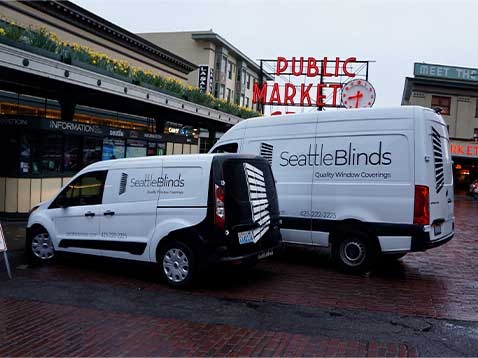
[49, 41]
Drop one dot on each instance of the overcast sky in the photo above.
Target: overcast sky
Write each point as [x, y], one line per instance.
[393, 33]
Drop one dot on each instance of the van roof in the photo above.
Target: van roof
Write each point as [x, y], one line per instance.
[338, 115]
[126, 162]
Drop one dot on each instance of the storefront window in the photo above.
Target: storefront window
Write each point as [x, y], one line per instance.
[92, 150]
[156, 148]
[113, 148]
[9, 147]
[41, 154]
[51, 153]
[101, 117]
[71, 154]
[161, 148]
[135, 148]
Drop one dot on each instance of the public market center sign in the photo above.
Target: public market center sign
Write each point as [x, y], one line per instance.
[313, 82]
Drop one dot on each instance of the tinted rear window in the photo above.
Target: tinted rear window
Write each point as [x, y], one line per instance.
[238, 205]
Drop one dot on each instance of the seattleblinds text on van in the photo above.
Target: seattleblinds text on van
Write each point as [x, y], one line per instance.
[350, 156]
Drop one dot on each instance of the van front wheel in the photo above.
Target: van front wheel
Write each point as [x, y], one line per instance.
[353, 251]
[39, 247]
[178, 264]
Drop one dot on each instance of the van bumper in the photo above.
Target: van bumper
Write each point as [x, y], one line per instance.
[420, 239]
[233, 251]
[422, 242]
[249, 256]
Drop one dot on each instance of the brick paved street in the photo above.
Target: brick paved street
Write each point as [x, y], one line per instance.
[296, 304]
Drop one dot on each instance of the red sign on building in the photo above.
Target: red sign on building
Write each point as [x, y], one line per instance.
[312, 82]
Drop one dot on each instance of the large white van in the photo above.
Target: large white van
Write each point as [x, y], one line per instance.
[182, 212]
[366, 181]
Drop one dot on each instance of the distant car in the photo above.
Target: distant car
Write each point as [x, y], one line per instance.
[182, 212]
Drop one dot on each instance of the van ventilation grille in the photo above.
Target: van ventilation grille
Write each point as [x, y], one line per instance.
[266, 152]
[123, 181]
[438, 159]
[258, 197]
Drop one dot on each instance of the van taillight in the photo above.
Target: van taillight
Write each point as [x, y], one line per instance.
[421, 212]
[220, 214]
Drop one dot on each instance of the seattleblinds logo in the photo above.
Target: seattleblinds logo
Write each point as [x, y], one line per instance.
[348, 156]
[151, 181]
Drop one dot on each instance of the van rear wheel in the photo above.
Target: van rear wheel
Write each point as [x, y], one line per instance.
[353, 251]
[178, 264]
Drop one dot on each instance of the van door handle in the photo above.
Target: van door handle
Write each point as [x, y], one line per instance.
[108, 213]
[449, 200]
[89, 213]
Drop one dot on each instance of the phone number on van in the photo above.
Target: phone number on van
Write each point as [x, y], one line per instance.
[319, 214]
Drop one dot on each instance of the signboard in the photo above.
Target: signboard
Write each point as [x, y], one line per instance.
[3, 244]
[316, 82]
[211, 80]
[3, 248]
[464, 149]
[203, 78]
[445, 72]
[80, 128]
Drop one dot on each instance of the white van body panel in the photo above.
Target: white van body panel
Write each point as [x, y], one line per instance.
[352, 165]
[142, 209]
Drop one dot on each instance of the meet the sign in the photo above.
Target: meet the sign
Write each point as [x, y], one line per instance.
[445, 72]
[328, 79]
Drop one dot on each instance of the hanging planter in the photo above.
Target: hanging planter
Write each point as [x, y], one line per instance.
[47, 44]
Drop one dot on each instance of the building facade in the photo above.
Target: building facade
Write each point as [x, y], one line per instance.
[58, 116]
[455, 91]
[229, 74]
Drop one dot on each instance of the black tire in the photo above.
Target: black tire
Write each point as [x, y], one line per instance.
[354, 251]
[39, 248]
[177, 263]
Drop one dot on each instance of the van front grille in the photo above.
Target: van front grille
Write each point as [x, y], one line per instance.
[257, 191]
[266, 152]
[438, 160]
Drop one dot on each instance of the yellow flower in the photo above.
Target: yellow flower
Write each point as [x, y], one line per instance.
[2, 31]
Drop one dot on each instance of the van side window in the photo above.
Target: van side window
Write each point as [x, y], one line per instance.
[87, 189]
[226, 148]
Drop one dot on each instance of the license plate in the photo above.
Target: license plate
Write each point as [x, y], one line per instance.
[246, 237]
[437, 229]
[265, 254]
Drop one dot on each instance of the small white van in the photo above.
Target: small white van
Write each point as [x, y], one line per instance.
[365, 182]
[182, 212]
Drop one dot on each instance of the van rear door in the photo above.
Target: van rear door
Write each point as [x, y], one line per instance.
[251, 204]
[441, 182]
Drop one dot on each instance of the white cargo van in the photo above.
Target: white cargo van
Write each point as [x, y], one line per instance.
[366, 181]
[182, 212]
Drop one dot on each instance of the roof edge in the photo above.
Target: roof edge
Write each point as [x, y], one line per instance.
[66, 10]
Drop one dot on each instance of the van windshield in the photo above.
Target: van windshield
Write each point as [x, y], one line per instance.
[226, 148]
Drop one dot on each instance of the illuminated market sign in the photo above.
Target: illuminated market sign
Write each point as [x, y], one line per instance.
[312, 82]
[464, 149]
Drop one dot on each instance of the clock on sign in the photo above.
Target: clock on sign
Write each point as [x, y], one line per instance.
[358, 94]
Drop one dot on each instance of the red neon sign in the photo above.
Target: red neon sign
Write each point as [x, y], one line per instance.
[315, 94]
